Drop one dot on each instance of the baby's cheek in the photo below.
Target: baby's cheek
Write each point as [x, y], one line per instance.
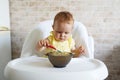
[57, 38]
[67, 37]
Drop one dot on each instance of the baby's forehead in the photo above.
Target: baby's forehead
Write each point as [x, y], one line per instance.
[64, 22]
[63, 26]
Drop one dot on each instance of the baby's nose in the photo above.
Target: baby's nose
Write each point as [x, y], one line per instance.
[62, 34]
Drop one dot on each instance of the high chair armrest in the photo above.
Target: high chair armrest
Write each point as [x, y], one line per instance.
[91, 46]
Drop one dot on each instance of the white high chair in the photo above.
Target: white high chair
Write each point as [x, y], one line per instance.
[79, 33]
[31, 67]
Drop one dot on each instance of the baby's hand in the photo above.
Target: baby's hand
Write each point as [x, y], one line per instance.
[78, 51]
[42, 43]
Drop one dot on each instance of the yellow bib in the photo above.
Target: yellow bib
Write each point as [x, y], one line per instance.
[64, 46]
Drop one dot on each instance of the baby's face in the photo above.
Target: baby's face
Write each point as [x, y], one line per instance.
[62, 31]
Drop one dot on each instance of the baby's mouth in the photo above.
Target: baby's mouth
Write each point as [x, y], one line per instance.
[62, 39]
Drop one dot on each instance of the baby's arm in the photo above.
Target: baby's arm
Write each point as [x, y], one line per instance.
[77, 51]
[42, 43]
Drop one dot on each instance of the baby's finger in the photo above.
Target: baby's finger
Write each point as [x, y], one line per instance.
[41, 42]
[81, 46]
[44, 43]
[47, 43]
[83, 51]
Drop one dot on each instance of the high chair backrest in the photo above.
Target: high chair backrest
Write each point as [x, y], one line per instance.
[79, 34]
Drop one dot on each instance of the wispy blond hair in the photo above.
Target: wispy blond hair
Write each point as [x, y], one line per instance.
[64, 16]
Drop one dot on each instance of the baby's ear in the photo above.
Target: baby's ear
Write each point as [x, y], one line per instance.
[53, 26]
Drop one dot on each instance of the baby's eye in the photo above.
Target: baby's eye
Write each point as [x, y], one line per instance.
[58, 32]
[66, 32]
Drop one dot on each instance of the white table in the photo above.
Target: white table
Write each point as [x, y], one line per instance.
[37, 68]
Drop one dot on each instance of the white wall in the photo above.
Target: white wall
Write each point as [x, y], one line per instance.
[5, 40]
[4, 13]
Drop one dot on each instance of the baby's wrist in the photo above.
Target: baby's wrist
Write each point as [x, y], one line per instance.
[41, 48]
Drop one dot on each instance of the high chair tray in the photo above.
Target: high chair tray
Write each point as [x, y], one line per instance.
[38, 68]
